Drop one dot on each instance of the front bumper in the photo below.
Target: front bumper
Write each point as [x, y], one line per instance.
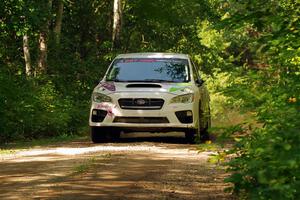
[165, 118]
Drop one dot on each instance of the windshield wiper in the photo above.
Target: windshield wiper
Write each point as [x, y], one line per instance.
[159, 81]
[116, 80]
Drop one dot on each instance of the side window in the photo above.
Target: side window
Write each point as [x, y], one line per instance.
[196, 74]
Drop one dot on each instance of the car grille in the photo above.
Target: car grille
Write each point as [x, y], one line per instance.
[141, 120]
[141, 104]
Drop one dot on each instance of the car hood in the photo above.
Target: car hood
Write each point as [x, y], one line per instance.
[117, 87]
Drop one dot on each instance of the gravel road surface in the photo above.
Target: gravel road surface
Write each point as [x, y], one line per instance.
[139, 166]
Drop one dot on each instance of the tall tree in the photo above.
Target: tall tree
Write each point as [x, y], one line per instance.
[58, 21]
[43, 37]
[117, 23]
[26, 51]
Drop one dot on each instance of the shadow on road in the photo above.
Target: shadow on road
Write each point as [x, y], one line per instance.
[117, 176]
[138, 166]
[169, 138]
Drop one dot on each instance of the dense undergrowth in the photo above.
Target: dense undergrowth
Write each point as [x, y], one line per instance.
[266, 160]
[37, 108]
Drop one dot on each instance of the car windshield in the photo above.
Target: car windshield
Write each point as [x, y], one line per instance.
[149, 70]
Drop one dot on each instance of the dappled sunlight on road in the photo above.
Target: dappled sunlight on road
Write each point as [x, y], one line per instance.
[156, 145]
[125, 170]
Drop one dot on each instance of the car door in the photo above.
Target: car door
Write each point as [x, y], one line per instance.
[204, 96]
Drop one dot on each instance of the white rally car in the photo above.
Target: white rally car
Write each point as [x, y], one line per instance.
[150, 92]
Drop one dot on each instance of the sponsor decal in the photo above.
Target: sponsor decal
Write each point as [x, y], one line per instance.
[182, 87]
[184, 84]
[175, 89]
[109, 109]
[139, 60]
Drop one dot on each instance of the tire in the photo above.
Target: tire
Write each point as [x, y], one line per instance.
[103, 134]
[190, 136]
[112, 135]
[200, 134]
[97, 135]
[204, 134]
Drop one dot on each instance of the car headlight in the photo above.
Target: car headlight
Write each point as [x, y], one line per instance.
[99, 98]
[186, 98]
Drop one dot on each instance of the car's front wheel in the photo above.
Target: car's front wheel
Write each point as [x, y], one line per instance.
[103, 134]
[190, 136]
[205, 125]
[201, 133]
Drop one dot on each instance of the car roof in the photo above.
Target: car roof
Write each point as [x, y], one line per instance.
[153, 55]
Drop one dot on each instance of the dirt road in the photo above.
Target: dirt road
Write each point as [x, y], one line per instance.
[134, 168]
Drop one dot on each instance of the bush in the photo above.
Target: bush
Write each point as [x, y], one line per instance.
[267, 165]
[35, 108]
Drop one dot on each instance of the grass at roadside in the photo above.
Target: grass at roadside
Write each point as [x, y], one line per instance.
[227, 128]
[87, 164]
[209, 146]
[14, 147]
[7, 151]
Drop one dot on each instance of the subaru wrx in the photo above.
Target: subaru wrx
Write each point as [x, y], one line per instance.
[150, 92]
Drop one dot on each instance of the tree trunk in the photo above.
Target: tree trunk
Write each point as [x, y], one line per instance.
[58, 21]
[26, 51]
[117, 19]
[43, 37]
[42, 63]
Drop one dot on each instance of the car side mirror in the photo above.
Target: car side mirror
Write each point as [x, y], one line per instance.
[200, 82]
[96, 82]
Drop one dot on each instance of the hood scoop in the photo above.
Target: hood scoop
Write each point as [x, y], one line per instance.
[145, 85]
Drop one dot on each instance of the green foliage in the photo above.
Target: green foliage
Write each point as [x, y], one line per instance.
[264, 51]
[58, 102]
[35, 108]
[267, 166]
[163, 25]
[216, 83]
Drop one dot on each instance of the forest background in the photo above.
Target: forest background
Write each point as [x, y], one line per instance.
[53, 51]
